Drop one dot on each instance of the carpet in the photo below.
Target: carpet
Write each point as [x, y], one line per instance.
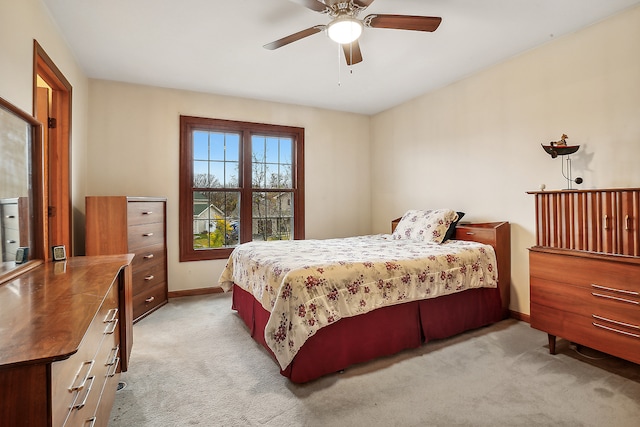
[194, 364]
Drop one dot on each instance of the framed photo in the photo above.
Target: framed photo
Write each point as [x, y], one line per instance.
[22, 255]
[59, 253]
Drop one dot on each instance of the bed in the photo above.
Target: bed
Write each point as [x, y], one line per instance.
[319, 306]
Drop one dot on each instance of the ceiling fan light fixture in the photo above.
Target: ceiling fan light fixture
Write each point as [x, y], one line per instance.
[344, 30]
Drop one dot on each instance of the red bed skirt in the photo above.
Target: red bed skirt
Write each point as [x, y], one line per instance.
[381, 332]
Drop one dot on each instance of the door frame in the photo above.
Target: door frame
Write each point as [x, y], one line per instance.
[56, 154]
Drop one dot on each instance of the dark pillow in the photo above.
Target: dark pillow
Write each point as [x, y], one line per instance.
[451, 231]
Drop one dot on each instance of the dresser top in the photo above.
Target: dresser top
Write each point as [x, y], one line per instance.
[45, 312]
[592, 190]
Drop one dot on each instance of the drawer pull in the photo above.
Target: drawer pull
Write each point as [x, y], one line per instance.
[89, 366]
[113, 355]
[86, 395]
[111, 328]
[604, 319]
[622, 291]
[627, 223]
[147, 212]
[150, 299]
[111, 315]
[149, 277]
[114, 368]
[597, 325]
[606, 222]
[470, 233]
[91, 421]
[628, 301]
[149, 256]
[11, 241]
[148, 234]
[10, 216]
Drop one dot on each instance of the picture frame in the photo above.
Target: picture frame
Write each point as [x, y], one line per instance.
[22, 255]
[59, 253]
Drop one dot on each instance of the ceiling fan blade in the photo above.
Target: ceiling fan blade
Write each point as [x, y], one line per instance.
[352, 52]
[403, 22]
[316, 5]
[362, 4]
[294, 37]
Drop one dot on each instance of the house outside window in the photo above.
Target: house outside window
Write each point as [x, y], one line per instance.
[239, 182]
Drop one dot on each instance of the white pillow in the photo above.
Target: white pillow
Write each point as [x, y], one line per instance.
[428, 226]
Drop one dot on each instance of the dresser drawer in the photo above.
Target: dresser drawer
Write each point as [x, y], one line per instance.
[149, 299]
[601, 335]
[148, 277]
[145, 212]
[584, 302]
[144, 235]
[477, 234]
[585, 271]
[150, 255]
[10, 219]
[10, 242]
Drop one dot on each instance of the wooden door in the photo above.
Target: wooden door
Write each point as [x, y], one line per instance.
[629, 222]
[52, 107]
[609, 221]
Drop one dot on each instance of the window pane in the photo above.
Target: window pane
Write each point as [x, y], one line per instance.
[271, 175]
[200, 145]
[258, 144]
[272, 216]
[231, 173]
[271, 150]
[258, 175]
[232, 147]
[201, 174]
[216, 219]
[286, 151]
[286, 180]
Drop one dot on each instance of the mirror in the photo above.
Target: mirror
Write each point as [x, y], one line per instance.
[19, 191]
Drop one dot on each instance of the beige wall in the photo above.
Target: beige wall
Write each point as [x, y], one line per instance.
[475, 145]
[20, 23]
[134, 151]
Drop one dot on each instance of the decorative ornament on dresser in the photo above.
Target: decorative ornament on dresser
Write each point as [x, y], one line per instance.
[561, 148]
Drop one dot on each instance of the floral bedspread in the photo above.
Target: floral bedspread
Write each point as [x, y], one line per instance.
[309, 284]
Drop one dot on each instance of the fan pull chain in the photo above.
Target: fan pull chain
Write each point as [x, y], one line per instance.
[339, 48]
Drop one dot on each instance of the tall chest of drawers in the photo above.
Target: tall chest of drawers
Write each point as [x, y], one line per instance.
[585, 269]
[137, 225]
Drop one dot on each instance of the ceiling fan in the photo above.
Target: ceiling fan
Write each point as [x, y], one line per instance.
[345, 28]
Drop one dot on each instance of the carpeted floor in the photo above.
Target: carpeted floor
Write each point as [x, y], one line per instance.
[193, 363]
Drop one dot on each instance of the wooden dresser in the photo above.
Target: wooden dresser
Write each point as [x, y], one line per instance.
[65, 338]
[120, 224]
[585, 269]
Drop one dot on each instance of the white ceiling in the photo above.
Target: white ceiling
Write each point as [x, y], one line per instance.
[215, 46]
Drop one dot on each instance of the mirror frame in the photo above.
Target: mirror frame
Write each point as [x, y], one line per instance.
[36, 191]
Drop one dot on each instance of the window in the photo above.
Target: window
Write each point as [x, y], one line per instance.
[239, 182]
